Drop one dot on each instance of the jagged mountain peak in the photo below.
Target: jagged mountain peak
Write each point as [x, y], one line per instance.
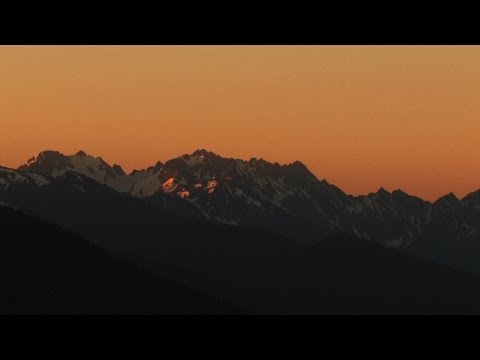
[45, 155]
[54, 163]
[449, 196]
[400, 194]
[158, 166]
[46, 162]
[204, 171]
[299, 167]
[449, 200]
[298, 164]
[297, 174]
[151, 169]
[206, 157]
[381, 192]
[202, 152]
[118, 169]
[473, 197]
[199, 156]
[53, 157]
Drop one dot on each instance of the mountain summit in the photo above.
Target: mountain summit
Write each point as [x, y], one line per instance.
[54, 163]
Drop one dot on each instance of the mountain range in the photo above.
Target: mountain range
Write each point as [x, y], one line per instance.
[267, 236]
[287, 199]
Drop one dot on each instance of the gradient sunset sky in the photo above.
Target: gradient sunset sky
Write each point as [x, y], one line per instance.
[362, 117]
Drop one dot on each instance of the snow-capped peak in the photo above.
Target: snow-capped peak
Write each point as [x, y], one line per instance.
[54, 163]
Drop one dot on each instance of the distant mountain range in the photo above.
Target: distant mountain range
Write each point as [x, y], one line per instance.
[284, 199]
[265, 236]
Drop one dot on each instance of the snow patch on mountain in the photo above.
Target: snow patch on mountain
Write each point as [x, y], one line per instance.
[212, 184]
[169, 185]
[183, 194]
[10, 176]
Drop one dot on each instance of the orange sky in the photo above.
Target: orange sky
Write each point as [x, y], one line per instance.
[361, 117]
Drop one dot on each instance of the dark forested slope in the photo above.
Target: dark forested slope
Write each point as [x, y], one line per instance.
[46, 270]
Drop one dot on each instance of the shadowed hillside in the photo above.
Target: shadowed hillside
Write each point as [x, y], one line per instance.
[46, 270]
